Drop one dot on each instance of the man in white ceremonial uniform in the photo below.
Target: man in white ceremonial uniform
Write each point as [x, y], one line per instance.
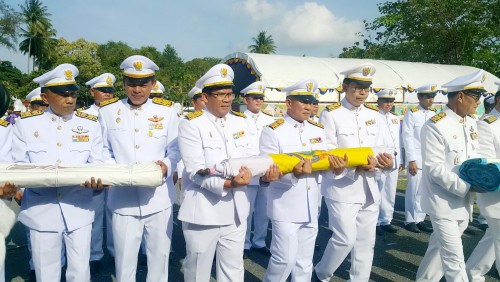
[36, 101]
[353, 201]
[214, 210]
[254, 98]
[413, 121]
[198, 103]
[448, 139]
[292, 200]
[388, 179]
[5, 157]
[487, 250]
[56, 215]
[137, 130]
[157, 91]
[101, 88]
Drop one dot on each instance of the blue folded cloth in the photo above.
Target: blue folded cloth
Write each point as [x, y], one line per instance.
[482, 174]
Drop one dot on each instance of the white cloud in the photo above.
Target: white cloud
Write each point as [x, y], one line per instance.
[308, 25]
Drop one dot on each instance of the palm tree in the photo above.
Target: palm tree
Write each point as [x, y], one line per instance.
[9, 21]
[38, 34]
[263, 44]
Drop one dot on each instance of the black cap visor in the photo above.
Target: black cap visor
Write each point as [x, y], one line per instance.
[62, 89]
[308, 99]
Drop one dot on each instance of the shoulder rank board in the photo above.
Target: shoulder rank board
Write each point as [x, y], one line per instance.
[432, 109]
[86, 116]
[315, 123]
[438, 117]
[163, 102]
[276, 124]
[4, 123]
[414, 110]
[333, 106]
[109, 102]
[490, 119]
[194, 115]
[83, 108]
[371, 107]
[266, 113]
[31, 114]
[240, 114]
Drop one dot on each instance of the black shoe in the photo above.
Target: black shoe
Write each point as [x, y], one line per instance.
[389, 228]
[483, 226]
[32, 277]
[262, 250]
[314, 277]
[424, 227]
[95, 266]
[379, 231]
[246, 252]
[412, 227]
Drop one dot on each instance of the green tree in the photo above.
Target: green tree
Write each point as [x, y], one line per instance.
[463, 32]
[9, 22]
[263, 44]
[38, 33]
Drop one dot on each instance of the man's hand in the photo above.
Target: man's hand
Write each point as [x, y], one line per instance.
[18, 197]
[372, 163]
[94, 185]
[385, 161]
[304, 167]
[164, 168]
[337, 164]
[243, 178]
[401, 167]
[7, 190]
[412, 168]
[272, 174]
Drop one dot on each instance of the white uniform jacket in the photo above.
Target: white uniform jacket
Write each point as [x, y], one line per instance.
[349, 127]
[413, 121]
[43, 137]
[205, 140]
[489, 147]
[447, 141]
[136, 135]
[257, 123]
[292, 199]
[5, 141]
[392, 124]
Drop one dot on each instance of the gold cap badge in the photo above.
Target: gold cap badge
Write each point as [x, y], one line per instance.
[109, 80]
[68, 74]
[138, 65]
[366, 71]
[223, 72]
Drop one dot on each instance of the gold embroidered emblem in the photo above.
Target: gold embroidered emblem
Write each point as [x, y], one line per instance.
[240, 114]
[315, 123]
[333, 106]
[438, 117]
[109, 102]
[68, 74]
[309, 86]
[277, 124]
[138, 65]
[490, 119]
[109, 80]
[414, 110]
[194, 115]
[366, 71]
[223, 72]
[4, 123]
[433, 88]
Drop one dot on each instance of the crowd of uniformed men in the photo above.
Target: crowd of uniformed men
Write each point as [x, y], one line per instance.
[64, 225]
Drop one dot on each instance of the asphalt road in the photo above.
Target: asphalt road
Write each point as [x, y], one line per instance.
[396, 258]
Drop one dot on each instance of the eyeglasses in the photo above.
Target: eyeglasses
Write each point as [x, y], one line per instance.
[474, 96]
[361, 89]
[258, 98]
[222, 96]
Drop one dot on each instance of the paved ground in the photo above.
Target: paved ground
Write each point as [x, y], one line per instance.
[397, 256]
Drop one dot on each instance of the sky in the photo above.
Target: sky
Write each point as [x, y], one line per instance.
[216, 28]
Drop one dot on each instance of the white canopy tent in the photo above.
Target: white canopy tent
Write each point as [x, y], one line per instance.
[278, 71]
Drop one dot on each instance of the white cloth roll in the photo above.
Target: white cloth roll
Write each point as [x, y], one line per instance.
[44, 176]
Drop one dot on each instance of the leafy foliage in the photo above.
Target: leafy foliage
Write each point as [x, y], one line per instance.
[263, 44]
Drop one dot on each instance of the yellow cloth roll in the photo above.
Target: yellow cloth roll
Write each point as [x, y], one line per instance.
[319, 158]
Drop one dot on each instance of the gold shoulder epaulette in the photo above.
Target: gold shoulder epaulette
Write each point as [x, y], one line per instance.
[431, 109]
[83, 108]
[414, 110]
[315, 123]
[490, 119]
[240, 114]
[277, 123]
[371, 107]
[4, 123]
[194, 115]
[438, 117]
[86, 116]
[267, 113]
[333, 106]
[163, 102]
[108, 102]
[31, 114]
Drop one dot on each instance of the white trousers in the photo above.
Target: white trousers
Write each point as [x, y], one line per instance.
[28, 240]
[486, 252]
[127, 235]
[292, 250]
[444, 255]
[46, 253]
[387, 184]
[110, 245]
[258, 212]
[98, 203]
[413, 210]
[203, 242]
[353, 227]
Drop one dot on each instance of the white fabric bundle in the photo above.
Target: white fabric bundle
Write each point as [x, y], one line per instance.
[43, 176]
[7, 220]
